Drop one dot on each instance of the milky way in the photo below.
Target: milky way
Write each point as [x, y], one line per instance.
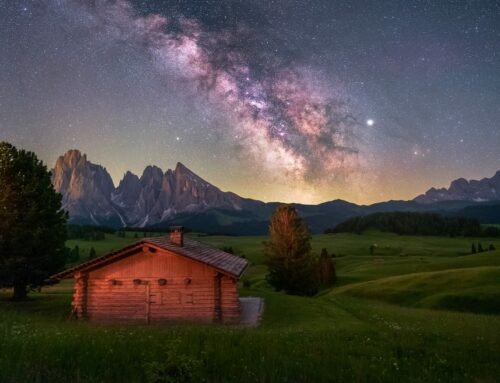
[278, 114]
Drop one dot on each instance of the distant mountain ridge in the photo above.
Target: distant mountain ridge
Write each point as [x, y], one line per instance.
[179, 196]
[487, 189]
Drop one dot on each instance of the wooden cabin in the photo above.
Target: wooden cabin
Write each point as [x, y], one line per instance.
[158, 279]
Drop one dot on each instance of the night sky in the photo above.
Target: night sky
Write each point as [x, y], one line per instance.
[289, 100]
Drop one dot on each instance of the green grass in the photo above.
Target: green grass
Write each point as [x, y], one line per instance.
[420, 310]
[474, 289]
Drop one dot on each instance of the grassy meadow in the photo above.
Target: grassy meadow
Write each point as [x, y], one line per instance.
[420, 309]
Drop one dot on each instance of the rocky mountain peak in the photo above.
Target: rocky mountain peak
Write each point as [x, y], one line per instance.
[486, 189]
[86, 187]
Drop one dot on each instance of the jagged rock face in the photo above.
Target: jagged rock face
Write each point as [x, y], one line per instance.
[487, 189]
[86, 188]
[90, 197]
[194, 193]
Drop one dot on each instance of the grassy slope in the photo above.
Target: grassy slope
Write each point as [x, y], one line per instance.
[377, 326]
[474, 289]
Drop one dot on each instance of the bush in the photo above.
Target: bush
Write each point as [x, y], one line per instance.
[228, 249]
[247, 283]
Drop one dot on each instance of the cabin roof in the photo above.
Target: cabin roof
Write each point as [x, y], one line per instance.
[197, 251]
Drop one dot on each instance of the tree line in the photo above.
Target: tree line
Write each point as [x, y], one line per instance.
[415, 223]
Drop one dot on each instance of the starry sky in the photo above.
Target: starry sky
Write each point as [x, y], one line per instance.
[279, 100]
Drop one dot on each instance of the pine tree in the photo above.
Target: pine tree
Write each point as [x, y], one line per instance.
[74, 254]
[292, 267]
[92, 253]
[326, 269]
[492, 247]
[32, 222]
[480, 248]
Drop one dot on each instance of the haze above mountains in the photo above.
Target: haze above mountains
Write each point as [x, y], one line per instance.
[179, 196]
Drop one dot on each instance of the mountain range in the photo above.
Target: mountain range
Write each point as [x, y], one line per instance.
[179, 196]
[487, 189]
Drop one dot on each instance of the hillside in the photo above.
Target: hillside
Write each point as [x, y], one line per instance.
[472, 289]
[415, 309]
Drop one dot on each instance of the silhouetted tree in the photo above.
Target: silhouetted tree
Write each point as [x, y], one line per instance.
[473, 249]
[74, 254]
[326, 269]
[492, 247]
[32, 222]
[92, 253]
[480, 248]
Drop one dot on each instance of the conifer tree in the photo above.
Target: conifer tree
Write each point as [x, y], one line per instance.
[292, 267]
[32, 222]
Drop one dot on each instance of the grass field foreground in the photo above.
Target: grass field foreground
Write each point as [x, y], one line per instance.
[385, 321]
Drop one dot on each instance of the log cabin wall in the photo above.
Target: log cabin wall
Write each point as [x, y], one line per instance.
[230, 301]
[155, 286]
[80, 296]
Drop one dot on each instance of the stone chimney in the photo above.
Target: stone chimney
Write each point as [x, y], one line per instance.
[176, 236]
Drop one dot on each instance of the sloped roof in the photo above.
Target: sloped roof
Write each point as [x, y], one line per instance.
[197, 251]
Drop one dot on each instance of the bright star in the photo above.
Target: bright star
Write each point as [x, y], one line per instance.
[370, 122]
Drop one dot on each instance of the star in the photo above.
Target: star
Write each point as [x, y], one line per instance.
[370, 122]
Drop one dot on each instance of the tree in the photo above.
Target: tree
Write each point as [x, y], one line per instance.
[92, 253]
[74, 254]
[32, 222]
[480, 248]
[292, 267]
[326, 269]
[492, 247]
[473, 249]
